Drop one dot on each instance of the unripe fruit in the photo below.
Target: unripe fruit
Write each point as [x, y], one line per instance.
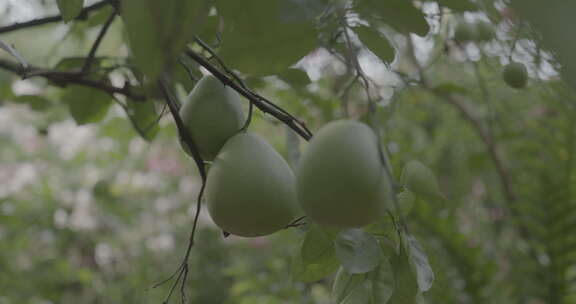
[464, 32]
[250, 188]
[340, 180]
[515, 75]
[484, 31]
[419, 179]
[212, 114]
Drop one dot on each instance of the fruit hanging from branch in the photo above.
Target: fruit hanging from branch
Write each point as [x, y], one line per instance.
[340, 180]
[515, 75]
[250, 189]
[212, 113]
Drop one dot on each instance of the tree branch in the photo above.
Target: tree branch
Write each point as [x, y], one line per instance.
[51, 19]
[101, 34]
[62, 78]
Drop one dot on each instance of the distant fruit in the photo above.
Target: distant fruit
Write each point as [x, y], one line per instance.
[420, 180]
[484, 31]
[212, 114]
[340, 180]
[464, 32]
[515, 75]
[250, 189]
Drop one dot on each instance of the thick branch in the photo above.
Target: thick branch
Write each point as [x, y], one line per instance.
[63, 78]
[260, 102]
[51, 19]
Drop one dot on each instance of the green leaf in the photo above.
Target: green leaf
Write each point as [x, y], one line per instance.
[144, 118]
[419, 259]
[419, 179]
[399, 14]
[406, 286]
[406, 201]
[313, 272]
[346, 284]
[317, 256]
[458, 5]
[265, 37]
[376, 43]
[70, 9]
[450, 88]
[86, 105]
[295, 77]
[317, 246]
[159, 30]
[357, 250]
[36, 103]
[382, 282]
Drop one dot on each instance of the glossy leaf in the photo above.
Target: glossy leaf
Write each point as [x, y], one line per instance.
[357, 250]
[86, 105]
[70, 9]
[376, 43]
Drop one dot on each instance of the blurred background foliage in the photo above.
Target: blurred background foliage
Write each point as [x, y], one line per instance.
[97, 198]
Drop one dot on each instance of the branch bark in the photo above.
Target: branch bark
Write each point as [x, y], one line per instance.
[62, 78]
[51, 19]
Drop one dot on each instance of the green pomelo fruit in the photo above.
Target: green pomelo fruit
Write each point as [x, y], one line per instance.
[420, 180]
[484, 31]
[464, 32]
[515, 75]
[340, 180]
[250, 190]
[212, 114]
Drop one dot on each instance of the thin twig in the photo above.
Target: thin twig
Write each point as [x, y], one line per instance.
[51, 19]
[101, 34]
[182, 271]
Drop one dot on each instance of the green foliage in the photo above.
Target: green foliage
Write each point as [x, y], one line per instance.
[358, 251]
[70, 8]
[86, 105]
[97, 198]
